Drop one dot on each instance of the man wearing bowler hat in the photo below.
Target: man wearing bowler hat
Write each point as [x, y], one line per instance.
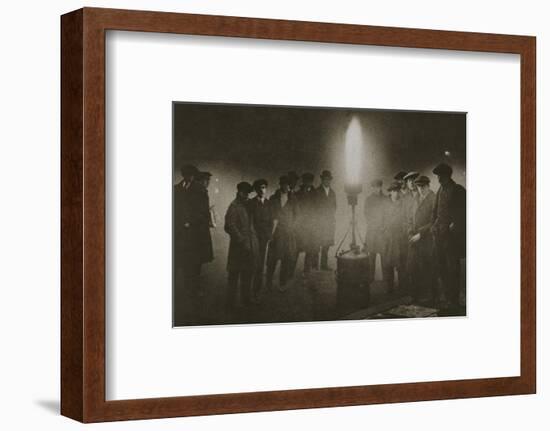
[326, 217]
[423, 283]
[243, 256]
[449, 230]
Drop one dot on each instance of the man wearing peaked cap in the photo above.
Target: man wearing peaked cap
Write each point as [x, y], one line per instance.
[421, 265]
[399, 176]
[449, 230]
[411, 176]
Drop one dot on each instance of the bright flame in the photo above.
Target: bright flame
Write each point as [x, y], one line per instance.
[354, 146]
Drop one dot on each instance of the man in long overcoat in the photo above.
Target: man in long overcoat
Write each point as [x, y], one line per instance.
[410, 202]
[374, 208]
[449, 230]
[283, 245]
[394, 238]
[191, 224]
[305, 224]
[326, 217]
[244, 255]
[262, 219]
[423, 283]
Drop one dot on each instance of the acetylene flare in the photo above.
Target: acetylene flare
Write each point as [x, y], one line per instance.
[354, 144]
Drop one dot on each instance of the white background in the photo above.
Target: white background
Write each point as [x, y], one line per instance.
[145, 73]
[29, 175]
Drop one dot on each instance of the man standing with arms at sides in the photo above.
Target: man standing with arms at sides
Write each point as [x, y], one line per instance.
[326, 217]
[394, 231]
[374, 216]
[305, 226]
[262, 220]
[243, 256]
[410, 200]
[283, 245]
[193, 243]
[449, 230]
[423, 282]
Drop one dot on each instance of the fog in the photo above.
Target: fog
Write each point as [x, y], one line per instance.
[246, 142]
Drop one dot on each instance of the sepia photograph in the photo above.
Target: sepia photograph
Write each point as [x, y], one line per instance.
[306, 214]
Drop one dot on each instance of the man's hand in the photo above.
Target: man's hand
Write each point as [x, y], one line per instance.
[414, 238]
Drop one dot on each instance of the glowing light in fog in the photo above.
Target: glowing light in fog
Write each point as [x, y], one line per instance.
[354, 146]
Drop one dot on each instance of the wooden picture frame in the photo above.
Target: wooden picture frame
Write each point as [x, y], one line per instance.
[83, 214]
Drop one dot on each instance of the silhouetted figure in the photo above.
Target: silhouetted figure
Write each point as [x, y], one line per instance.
[326, 217]
[262, 219]
[449, 230]
[283, 245]
[394, 237]
[192, 240]
[421, 245]
[305, 225]
[374, 211]
[243, 256]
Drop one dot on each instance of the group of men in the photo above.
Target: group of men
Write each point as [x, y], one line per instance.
[269, 232]
[419, 235]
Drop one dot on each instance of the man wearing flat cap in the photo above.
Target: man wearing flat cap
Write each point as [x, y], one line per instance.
[305, 226]
[282, 247]
[243, 256]
[326, 217]
[192, 240]
[449, 230]
[373, 211]
[420, 258]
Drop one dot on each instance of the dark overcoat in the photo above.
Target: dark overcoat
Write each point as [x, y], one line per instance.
[421, 222]
[244, 253]
[262, 218]
[306, 230]
[374, 211]
[191, 224]
[449, 219]
[326, 216]
[395, 237]
[283, 244]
